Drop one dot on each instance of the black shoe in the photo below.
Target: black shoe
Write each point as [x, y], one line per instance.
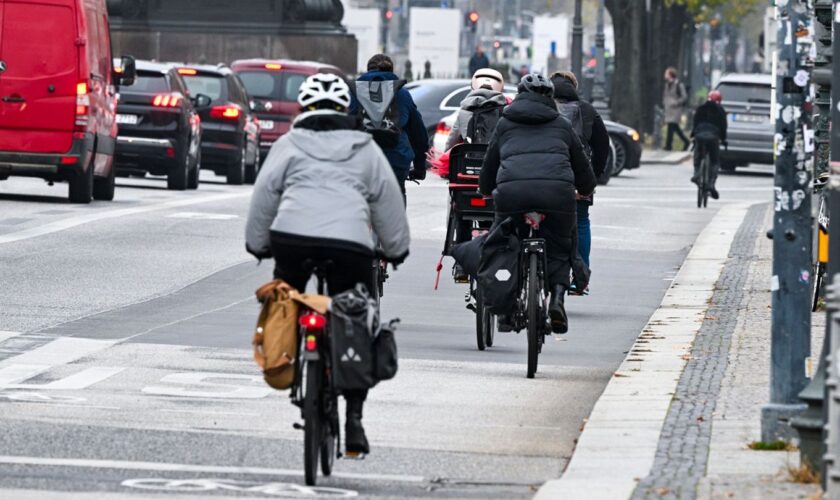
[460, 275]
[714, 194]
[557, 311]
[354, 434]
[505, 324]
[687, 144]
[695, 179]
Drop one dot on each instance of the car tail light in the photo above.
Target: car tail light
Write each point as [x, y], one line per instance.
[187, 71]
[478, 202]
[82, 107]
[69, 160]
[313, 321]
[226, 112]
[166, 101]
[311, 343]
[442, 128]
[273, 66]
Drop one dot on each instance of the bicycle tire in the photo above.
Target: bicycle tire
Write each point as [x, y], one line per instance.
[533, 315]
[701, 184]
[327, 451]
[480, 335]
[489, 326]
[312, 433]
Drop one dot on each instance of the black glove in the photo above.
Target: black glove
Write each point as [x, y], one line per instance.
[417, 173]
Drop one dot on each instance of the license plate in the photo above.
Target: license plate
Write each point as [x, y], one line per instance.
[266, 124]
[750, 118]
[127, 119]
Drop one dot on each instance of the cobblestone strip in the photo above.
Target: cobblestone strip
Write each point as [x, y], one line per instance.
[683, 447]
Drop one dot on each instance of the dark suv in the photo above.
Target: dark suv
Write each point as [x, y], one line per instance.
[746, 98]
[229, 137]
[159, 129]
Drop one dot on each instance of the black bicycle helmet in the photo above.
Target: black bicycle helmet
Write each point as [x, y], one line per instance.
[537, 84]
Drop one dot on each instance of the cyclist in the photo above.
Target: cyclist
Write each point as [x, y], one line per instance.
[321, 188]
[709, 132]
[596, 142]
[535, 162]
[413, 140]
[486, 96]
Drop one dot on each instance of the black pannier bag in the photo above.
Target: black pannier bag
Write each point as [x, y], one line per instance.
[353, 319]
[498, 272]
[385, 351]
[468, 254]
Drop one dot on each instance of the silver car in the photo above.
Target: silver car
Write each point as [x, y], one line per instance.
[746, 98]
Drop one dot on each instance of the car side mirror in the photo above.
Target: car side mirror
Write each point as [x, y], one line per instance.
[201, 101]
[125, 75]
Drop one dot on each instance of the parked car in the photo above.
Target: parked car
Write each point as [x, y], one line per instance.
[159, 128]
[273, 85]
[437, 99]
[750, 131]
[229, 129]
[58, 95]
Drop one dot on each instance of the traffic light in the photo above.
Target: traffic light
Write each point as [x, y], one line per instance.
[472, 20]
[389, 14]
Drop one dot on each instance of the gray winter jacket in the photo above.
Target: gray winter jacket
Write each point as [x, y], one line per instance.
[674, 98]
[476, 99]
[334, 184]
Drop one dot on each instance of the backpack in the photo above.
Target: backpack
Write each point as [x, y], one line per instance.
[498, 271]
[379, 110]
[482, 124]
[572, 112]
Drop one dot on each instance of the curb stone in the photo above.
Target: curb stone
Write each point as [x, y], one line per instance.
[619, 443]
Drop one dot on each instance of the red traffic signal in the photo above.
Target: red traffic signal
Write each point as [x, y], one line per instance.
[473, 16]
[389, 14]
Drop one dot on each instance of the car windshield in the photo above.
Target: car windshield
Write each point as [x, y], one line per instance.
[214, 87]
[745, 92]
[149, 83]
[273, 85]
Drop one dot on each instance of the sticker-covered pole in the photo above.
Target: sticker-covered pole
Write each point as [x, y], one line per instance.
[790, 283]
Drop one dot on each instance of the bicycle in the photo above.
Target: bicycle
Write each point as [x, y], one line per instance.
[312, 391]
[820, 241]
[531, 312]
[703, 182]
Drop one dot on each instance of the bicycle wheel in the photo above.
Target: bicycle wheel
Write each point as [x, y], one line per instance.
[328, 451]
[706, 184]
[533, 316]
[480, 326]
[701, 184]
[312, 432]
[489, 326]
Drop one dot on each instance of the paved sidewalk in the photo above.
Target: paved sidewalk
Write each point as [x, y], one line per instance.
[661, 157]
[713, 410]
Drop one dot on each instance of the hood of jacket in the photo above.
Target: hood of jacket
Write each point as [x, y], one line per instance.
[564, 90]
[481, 98]
[378, 75]
[531, 109]
[338, 144]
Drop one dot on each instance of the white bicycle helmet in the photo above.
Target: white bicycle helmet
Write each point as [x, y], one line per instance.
[487, 77]
[323, 91]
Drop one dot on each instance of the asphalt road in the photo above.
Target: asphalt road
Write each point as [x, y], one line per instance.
[126, 371]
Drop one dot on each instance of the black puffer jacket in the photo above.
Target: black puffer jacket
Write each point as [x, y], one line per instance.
[710, 118]
[594, 130]
[534, 157]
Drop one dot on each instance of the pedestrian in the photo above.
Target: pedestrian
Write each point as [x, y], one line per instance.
[324, 190]
[535, 162]
[478, 60]
[674, 99]
[593, 134]
[404, 139]
[709, 132]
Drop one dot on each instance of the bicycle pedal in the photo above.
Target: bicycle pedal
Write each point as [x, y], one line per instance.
[353, 455]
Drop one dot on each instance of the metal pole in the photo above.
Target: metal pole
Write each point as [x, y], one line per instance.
[577, 39]
[790, 283]
[599, 94]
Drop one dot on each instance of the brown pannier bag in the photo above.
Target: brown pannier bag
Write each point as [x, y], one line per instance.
[276, 337]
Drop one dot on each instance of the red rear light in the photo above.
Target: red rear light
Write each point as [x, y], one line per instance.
[82, 107]
[226, 112]
[273, 66]
[313, 321]
[311, 343]
[166, 101]
[69, 160]
[187, 71]
[478, 202]
[442, 128]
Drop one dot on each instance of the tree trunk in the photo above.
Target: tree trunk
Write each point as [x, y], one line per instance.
[671, 27]
[630, 100]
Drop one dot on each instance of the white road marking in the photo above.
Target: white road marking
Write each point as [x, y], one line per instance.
[202, 412]
[7, 335]
[183, 384]
[172, 467]
[60, 351]
[70, 222]
[202, 216]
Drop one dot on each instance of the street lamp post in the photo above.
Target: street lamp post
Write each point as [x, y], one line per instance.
[599, 94]
[790, 283]
[577, 39]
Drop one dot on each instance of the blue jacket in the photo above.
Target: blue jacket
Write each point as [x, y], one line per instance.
[414, 140]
